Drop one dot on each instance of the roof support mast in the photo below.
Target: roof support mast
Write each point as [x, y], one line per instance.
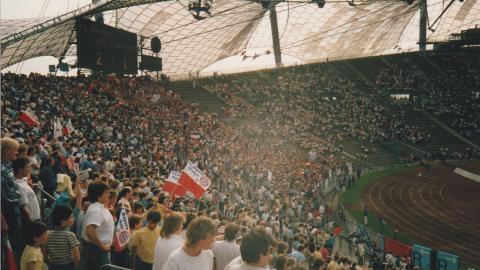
[275, 37]
[422, 39]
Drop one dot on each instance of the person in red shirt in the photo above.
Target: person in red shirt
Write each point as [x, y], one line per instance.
[324, 252]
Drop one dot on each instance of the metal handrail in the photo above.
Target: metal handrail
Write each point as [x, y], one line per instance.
[46, 194]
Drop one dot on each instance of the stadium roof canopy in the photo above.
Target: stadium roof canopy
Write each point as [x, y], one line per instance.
[307, 33]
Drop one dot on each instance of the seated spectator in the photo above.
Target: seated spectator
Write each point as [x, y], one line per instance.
[62, 247]
[143, 243]
[36, 234]
[195, 253]
[170, 239]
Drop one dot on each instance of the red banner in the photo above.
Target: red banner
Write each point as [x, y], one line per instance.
[396, 248]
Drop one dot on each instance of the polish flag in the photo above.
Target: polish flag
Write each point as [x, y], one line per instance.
[194, 180]
[29, 118]
[57, 128]
[172, 186]
[68, 129]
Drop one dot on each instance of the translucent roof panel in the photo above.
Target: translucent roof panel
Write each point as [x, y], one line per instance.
[8, 27]
[307, 32]
[189, 44]
[51, 42]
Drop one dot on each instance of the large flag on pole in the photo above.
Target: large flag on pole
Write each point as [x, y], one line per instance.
[29, 118]
[122, 231]
[194, 180]
[172, 186]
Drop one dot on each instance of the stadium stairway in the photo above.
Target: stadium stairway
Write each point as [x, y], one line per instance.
[377, 155]
[206, 101]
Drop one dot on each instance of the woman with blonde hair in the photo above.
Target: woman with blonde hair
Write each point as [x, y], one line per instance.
[195, 253]
[170, 239]
[64, 191]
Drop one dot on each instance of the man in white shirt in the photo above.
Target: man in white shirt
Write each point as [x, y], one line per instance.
[195, 253]
[21, 170]
[255, 251]
[227, 250]
[98, 228]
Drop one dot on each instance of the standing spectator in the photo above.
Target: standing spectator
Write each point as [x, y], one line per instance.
[98, 228]
[124, 198]
[298, 255]
[32, 155]
[11, 198]
[255, 250]
[143, 242]
[48, 177]
[195, 253]
[170, 239]
[62, 247]
[227, 250]
[333, 264]
[36, 234]
[324, 252]
[21, 169]
[361, 253]
[365, 216]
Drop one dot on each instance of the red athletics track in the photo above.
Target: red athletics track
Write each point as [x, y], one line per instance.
[440, 210]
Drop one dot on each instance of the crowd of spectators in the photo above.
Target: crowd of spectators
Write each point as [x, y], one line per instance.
[128, 134]
[265, 207]
[452, 94]
[316, 109]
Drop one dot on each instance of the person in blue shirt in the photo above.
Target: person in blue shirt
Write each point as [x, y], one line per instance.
[298, 254]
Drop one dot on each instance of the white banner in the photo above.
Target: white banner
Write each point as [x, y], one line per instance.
[467, 174]
[122, 231]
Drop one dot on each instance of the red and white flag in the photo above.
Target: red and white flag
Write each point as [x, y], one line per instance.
[57, 128]
[194, 180]
[122, 231]
[68, 129]
[172, 186]
[29, 118]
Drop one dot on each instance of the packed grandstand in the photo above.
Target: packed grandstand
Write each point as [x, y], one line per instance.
[229, 171]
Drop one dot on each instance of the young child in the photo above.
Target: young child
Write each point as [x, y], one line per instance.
[36, 234]
[143, 242]
[62, 247]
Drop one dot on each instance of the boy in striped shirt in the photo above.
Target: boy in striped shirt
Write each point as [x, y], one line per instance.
[62, 246]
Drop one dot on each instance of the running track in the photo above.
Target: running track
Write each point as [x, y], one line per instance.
[440, 210]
